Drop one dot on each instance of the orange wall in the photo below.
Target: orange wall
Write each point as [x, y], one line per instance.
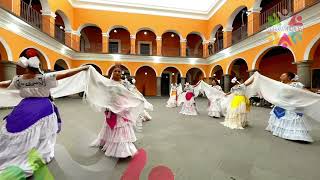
[170, 45]
[124, 36]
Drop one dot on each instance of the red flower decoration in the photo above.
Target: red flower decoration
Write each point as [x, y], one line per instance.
[31, 53]
[189, 95]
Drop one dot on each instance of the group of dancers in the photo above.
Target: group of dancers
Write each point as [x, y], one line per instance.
[235, 106]
[35, 121]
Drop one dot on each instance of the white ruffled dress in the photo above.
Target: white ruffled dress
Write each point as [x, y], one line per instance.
[214, 109]
[189, 106]
[291, 125]
[117, 142]
[41, 136]
[172, 102]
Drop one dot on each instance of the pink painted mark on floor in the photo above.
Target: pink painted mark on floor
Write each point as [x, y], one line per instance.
[161, 173]
[135, 166]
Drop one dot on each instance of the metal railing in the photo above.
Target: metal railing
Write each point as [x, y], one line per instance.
[218, 45]
[30, 15]
[279, 11]
[240, 34]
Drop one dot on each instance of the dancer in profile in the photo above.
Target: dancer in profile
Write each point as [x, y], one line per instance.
[238, 108]
[175, 91]
[117, 135]
[214, 109]
[189, 104]
[288, 124]
[33, 124]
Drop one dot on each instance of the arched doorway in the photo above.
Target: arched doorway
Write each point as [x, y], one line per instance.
[194, 75]
[239, 69]
[96, 67]
[170, 44]
[30, 11]
[4, 64]
[125, 72]
[43, 62]
[168, 76]
[146, 43]
[146, 81]
[239, 25]
[217, 73]
[276, 61]
[60, 65]
[218, 43]
[315, 67]
[194, 46]
[59, 28]
[119, 41]
[91, 39]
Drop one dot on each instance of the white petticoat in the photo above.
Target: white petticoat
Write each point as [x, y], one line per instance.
[236, 118]
[189, 108]
[291, 127]
[117, 142]
[214, 109]
[15, 147]
[172, 102]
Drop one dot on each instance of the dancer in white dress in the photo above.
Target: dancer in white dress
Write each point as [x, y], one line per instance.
[33, 124]
[174, 94]
[288, 124]
[117, 135]
[238, 108]
[189, 104]
[214, 109]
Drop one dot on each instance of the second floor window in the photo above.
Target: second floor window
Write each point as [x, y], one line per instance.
[113, 47]
[145, 49]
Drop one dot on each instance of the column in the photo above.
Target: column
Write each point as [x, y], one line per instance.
[7, 70]
[105, 43]
[253, 21]
[158, 86]
[226, 81]
[299, 5]
[75, 43]
[205, 49]
[11, 5]
[227, 37]
[183, 46]
[159, 46]
[251, 72]
[68, 38]
[48, 22]
[183, 81]
[133, 44]
[304, 73]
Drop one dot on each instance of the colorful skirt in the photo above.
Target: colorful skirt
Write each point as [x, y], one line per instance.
[288, 125]
[116, 139]
[31, 126]
[236, 117]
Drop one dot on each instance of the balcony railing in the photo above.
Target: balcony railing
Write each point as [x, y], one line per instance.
[218, 45]
[30, 15]
[240, 34]
[280, 11]
[91, 47]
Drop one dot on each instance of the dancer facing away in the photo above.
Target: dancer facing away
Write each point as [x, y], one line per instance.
[117, 135]
[174, 93]
[288, 124]
[189, 104]
[236, 117]
[33, 123]
[214, 109]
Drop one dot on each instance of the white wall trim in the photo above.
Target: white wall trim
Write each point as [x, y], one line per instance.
[107, 72]
[310, 46]
[145, 42]
[119, 44]
[135, 73]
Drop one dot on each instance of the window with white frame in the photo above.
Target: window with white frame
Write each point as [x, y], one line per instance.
[114, 46]
[145, 48]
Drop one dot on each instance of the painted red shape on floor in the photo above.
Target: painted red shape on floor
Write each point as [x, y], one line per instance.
[135, 166]
[161, 173]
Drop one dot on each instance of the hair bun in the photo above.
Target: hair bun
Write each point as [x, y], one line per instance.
[31, 53]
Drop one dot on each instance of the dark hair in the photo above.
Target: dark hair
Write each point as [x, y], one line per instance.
[34, 70]
[290, 75]
[217, 82]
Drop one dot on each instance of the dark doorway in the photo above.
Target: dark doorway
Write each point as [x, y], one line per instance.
[165, 84]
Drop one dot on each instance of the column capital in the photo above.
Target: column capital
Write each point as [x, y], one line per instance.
[183, 40]
[159, 38]
[212, 40]
[133, 36]
[68, 31]
[303, 62]
[253, 70]
[76, 33]
[48, 13]
[254, 10]
[105, 35]
[227, 29]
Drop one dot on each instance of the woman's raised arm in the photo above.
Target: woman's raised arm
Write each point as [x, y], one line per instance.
[5, 84]
[71, 72]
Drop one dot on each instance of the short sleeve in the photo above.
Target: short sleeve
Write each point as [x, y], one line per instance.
[13, 85]
[51, 80]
